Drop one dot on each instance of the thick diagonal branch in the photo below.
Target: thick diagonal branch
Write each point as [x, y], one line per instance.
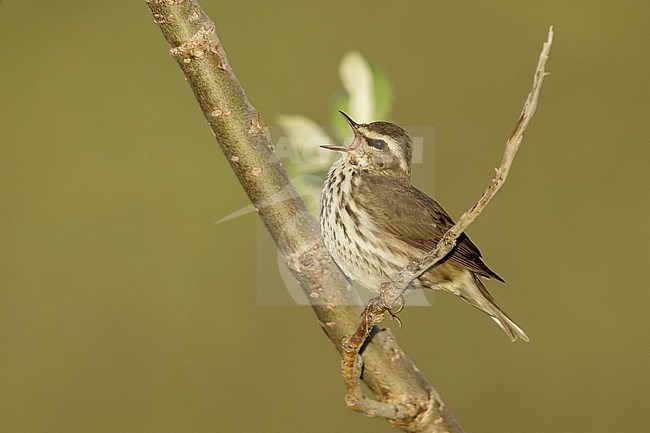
[246, 144]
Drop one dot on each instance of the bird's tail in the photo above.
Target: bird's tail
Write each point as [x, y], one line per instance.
[509, 327]
[480, 298]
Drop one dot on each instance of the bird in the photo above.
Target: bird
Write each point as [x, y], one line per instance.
[374, 222]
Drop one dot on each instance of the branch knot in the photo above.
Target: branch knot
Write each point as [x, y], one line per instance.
[202, 42]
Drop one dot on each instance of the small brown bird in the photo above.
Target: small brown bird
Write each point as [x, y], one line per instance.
[374, 222]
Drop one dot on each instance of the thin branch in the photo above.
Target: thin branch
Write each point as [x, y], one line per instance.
[240, 131]
[392, 291]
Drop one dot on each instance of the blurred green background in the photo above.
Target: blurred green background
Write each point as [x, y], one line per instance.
[124, 308]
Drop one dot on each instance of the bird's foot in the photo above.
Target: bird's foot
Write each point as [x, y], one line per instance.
[396, 309]
[373, 313]
[392, 308]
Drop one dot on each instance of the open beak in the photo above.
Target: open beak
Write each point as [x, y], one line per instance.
[357, 137]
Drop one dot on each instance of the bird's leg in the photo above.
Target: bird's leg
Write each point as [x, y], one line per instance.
[373, 314]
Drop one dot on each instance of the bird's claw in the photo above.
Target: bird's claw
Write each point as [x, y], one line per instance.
[393, 316]
[374, 312]
[394, 311]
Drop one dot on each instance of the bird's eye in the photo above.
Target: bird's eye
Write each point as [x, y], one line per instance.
[378, 144]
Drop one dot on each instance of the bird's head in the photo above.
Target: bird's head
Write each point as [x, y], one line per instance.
[381, 148]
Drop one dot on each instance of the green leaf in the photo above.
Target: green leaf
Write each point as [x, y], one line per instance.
[305, 136]
[383, 92]
[366, 95]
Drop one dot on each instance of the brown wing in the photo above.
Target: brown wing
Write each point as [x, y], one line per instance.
[415, 218]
